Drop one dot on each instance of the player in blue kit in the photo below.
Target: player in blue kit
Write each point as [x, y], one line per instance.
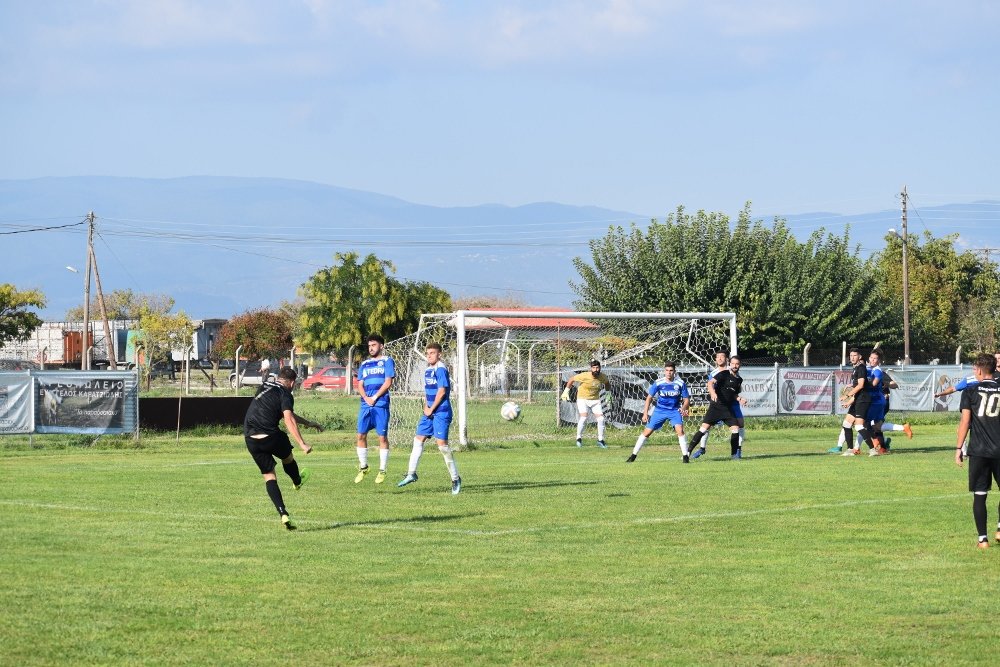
[436, 419]
[672, 402]
[375, 375]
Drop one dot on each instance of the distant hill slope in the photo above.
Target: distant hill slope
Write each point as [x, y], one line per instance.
[222, 245]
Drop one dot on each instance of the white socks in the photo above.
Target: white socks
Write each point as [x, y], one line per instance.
[639, 442]
[383, 458]
[579, 427]
[600, 428]
[449, 461]
[415, 453]
[363, 457]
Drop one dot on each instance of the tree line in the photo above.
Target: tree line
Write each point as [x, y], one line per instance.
[785, 292]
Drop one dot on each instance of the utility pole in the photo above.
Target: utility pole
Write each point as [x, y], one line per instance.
[85, 360]
[906, 287]
[112, 360]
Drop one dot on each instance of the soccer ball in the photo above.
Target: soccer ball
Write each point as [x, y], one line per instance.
[510, 411]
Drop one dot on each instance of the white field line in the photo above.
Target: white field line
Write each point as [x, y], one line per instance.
[403, 523]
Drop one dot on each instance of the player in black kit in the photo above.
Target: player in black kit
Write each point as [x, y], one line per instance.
[265, 441]
[980, 407]
[723, 392]
[857, 400]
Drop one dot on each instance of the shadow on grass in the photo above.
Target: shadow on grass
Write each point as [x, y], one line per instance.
[425, 518]
[520, 486]
[896, 451]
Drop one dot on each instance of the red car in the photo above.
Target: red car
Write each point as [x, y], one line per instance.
[328, 377]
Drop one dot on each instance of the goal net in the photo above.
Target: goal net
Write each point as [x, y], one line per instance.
[527, 357]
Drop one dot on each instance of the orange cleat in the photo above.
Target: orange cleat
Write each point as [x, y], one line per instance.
[908, 431]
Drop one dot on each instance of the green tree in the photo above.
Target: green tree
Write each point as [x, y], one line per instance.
[124, 304]
[17, 322]
[262, 333]
[785, 293]
[952, 294]
[352, 298]
[161, 332]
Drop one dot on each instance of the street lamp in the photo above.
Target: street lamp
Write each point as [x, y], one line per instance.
[906, 294]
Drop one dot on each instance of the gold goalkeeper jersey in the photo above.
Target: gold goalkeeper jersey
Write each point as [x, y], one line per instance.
[590, 386]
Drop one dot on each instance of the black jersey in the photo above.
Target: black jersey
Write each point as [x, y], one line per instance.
[983, 401]
[860, 372]
[728, 385]
[267, 409]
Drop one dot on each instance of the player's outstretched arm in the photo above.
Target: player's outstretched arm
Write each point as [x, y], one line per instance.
[293, 429]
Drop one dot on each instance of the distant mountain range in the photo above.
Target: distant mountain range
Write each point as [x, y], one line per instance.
[222, 245]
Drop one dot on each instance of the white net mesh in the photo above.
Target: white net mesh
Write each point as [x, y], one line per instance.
[529, 359]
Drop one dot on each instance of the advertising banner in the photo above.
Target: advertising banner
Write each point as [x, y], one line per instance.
[758, 390]
[915, 392]
[15, 403]
[74, 402]
[804, 391]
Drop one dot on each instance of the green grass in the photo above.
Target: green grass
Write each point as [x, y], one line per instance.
[167, 553]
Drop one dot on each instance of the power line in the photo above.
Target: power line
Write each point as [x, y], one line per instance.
[44, 229]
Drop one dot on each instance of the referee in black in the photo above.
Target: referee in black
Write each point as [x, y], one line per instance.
[265, 441]
[980, 407]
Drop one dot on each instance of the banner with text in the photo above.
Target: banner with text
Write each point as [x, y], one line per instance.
[75, 402]
[15, 403]
[804, 391]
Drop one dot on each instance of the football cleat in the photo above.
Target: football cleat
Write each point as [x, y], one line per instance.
[908, 431]
[738, 455]
[579, 442]
[602, 444]
[983, 544]
[851, 452]
[686, 458]
[360, 477]
[286, 521]
[456, 486]
[874, 451]
[835, 450]
[380, 477]
[630, 459]
[698, 452]
[410, 478]
[888, 443]
[303, 476]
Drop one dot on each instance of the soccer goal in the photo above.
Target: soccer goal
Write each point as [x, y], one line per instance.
[496, 356]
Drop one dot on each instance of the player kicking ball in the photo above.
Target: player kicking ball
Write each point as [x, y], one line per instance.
[672, 402]
[436, 420]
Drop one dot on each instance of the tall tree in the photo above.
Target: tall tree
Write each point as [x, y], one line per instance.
[160, 333]
[17, 322]
[262, 333]
[785, 293]
[352, 298]
[125, 304]
[952, 293]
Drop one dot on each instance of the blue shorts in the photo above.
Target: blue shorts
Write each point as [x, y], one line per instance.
[661, 416]
[876, 413]
[373, 418]
[436, 425]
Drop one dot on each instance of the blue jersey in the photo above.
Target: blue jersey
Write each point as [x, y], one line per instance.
[372, 373]
[669, 394]
[436, 377]
[877, 392]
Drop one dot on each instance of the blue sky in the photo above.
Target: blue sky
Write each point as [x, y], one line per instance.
[630, 105]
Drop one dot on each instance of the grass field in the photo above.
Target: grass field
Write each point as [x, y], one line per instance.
[170, 553]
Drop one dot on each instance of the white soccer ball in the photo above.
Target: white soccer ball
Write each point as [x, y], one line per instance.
[510, 411]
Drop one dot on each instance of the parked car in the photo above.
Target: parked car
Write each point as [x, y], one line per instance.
[251, 374]
[328, 377]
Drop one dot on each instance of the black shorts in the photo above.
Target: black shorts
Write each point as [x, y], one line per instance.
[263, 450]
[859, 408]
[717, 412]
[982, 472]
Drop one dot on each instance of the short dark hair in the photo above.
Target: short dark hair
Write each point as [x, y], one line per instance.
[595, 362]
[854, 349]
[986, 362]
[288, 373]
[375, 337]
[433, 346]
[669, 364]
[736, 357]
[878, 353]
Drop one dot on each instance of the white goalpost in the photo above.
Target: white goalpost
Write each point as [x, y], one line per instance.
[496, 356]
